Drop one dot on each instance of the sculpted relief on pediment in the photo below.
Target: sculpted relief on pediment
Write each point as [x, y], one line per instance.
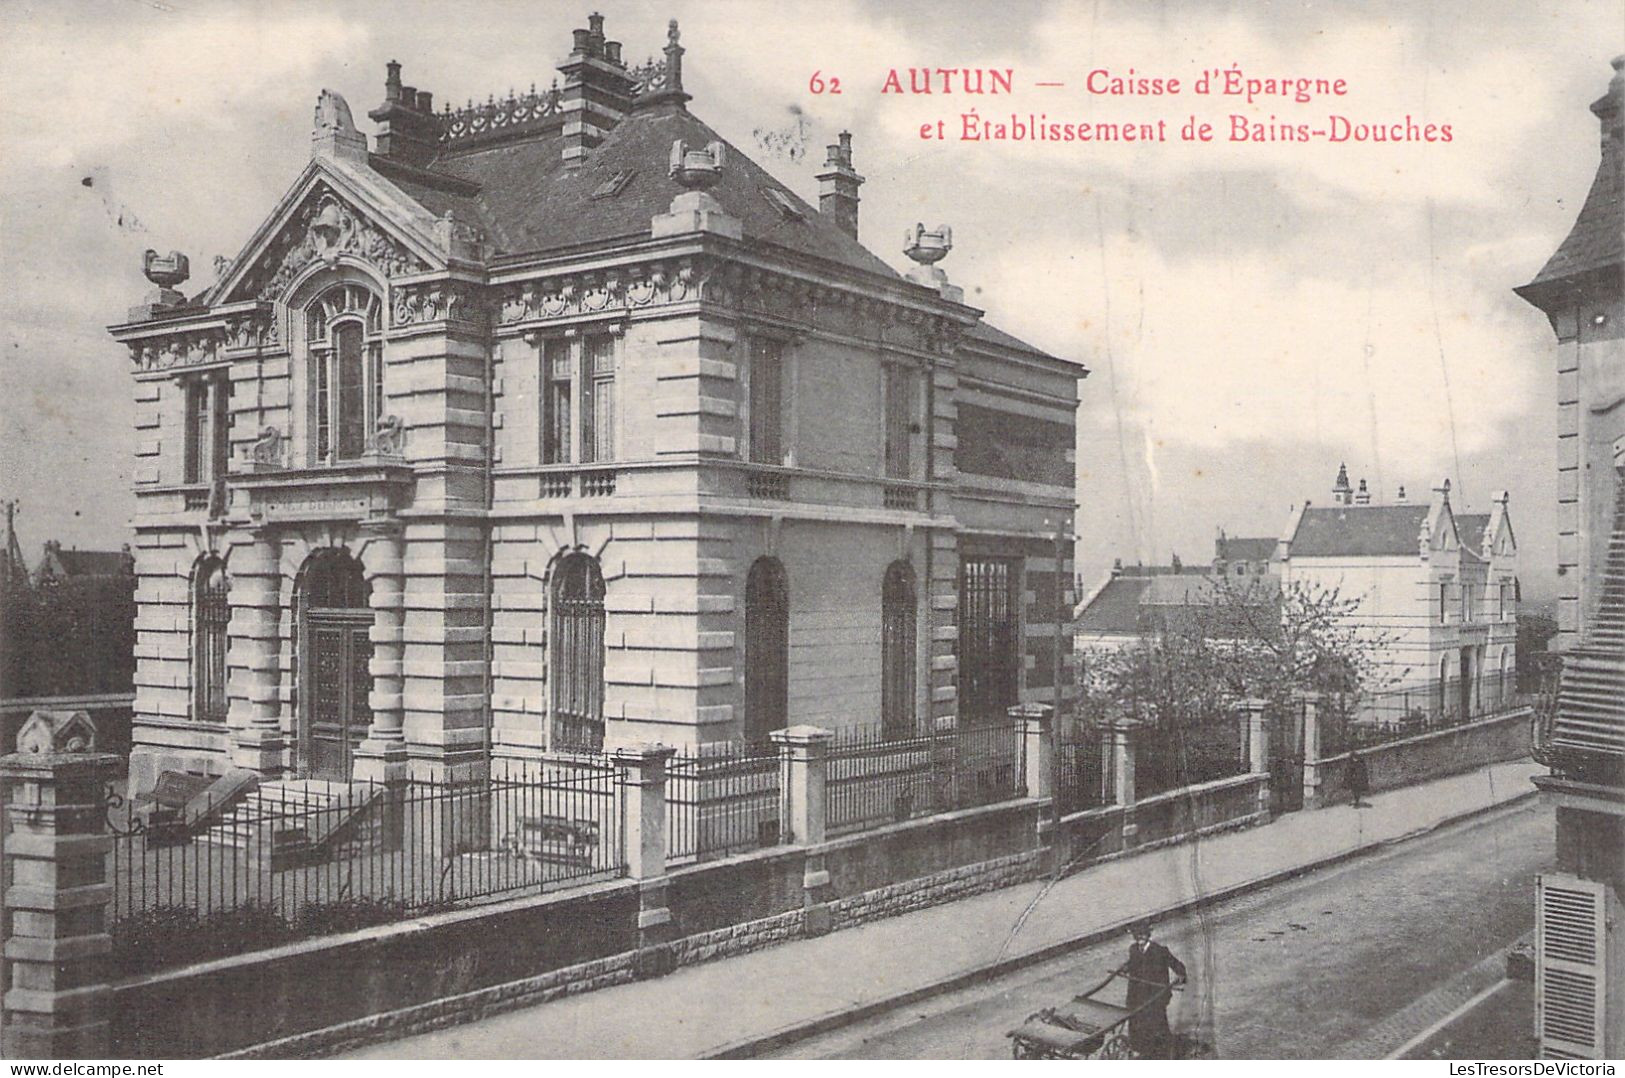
[323, 228]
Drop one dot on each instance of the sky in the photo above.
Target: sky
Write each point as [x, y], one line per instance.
[1253, 314]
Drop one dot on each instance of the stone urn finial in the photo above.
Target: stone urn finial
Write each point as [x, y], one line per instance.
[697, 169]
[165, 271]
[928, 247]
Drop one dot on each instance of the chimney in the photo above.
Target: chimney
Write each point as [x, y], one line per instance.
[407, 128]
[838, 186]
[1400, 497]
[1340, 489]
[1362, 496]
[597, 91]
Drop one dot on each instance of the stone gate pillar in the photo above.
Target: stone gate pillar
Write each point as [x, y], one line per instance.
[58, 993]
[803, 813]
[1122, 736]
[643, 831]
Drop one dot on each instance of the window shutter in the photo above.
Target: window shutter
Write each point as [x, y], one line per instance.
[1571, 937]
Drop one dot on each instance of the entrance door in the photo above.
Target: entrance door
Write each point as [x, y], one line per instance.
[337, 711]
[335, 621]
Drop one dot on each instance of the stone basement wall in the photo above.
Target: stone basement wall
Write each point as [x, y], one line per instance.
[934, 890]
[1433, 755]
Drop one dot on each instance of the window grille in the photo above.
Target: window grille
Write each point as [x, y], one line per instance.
[987, 637]
[576, 640]
[767, 649]
[897, 651]
[210, 615]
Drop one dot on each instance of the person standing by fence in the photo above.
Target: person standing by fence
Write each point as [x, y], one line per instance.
[1358, 778]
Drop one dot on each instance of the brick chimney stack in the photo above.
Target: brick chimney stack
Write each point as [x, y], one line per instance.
[838, 186]
[1362, 496]
[407, 128]
[597, 90]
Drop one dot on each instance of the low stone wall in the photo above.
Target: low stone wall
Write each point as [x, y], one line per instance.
[1199, 809]
[1430, 756]
[228, 1005]
[924, 848]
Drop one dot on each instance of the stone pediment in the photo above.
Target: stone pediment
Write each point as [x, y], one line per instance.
[322, 227]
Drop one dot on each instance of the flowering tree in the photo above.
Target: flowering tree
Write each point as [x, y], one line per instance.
[1229, 641]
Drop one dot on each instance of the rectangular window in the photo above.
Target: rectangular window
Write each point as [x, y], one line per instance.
[352, 379]
[598, 403]
[901, 411]
[1444, 602]
[197, 431]
[220, 431]
[324, 426]
[556, 401]
[766, 401]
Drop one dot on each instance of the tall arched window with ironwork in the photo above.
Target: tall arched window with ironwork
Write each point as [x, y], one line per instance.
[767, 649]
[576, 641]
[897, 639]
[344, 333]
[210, 614]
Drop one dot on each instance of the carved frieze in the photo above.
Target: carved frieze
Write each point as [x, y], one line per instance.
[187, 349]
[435, 301]
[322, 229]
[253, 329]
[748, 289]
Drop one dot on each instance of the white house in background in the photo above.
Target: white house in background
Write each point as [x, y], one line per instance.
[1441, 586]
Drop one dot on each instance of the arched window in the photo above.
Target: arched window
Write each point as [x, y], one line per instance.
[767, 649]
[210, 614]
[344, 332]
[897, 658]
[576, 641]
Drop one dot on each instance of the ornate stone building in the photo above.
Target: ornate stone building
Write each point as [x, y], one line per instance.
[1580, 919]
[1581, 290]
[557, 421]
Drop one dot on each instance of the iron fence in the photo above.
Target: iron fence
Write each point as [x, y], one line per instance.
[721, 799]
[1168, 757]
[305, 858]
[1371, 719]
[1083, 775]
[874, 779]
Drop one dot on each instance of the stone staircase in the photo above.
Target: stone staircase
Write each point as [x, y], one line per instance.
[1591, 699]
[281, 807]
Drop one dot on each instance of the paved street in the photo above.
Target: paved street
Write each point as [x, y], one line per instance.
[1354, 960]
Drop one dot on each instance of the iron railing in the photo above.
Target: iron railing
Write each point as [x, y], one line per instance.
[1083, 775]
[1395, 714]
[1168, 757]
[721, 799]
[874, 779]
[303, 858]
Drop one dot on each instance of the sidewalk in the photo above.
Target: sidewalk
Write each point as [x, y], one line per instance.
[735, 1003]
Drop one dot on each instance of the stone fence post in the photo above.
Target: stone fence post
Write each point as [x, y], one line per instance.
[803, 813]
[1037, 724]
[1121, 740]
[643, 831]
[58, 991]
[1311, 750]
[1256, 742]
[1037, 730]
